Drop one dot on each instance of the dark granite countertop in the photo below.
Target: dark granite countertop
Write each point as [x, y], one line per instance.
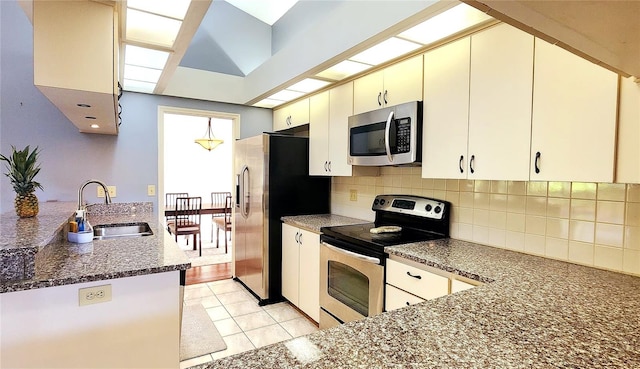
[532, 312]
[59, 262]
[313, 223]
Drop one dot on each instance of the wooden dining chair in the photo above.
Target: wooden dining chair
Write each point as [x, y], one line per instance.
[186, 220]
[224, 224]
[170, 200]
[218, 200]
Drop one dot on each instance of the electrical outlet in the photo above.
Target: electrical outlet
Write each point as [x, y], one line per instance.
[353, 195]
[94, 295]
[100, 191]
[151, 190]
[112, 191]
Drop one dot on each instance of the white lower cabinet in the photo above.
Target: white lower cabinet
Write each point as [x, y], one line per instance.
[410, 283]
[301, 269]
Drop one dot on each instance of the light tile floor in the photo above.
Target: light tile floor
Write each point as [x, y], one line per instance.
[242, 323]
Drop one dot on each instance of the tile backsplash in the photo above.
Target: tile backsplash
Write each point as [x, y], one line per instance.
[595, 224]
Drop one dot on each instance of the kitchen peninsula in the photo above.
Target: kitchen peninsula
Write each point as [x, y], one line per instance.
[43, 323]
[531, 312]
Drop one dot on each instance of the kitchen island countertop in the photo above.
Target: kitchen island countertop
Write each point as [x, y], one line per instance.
[531, 312]
[59, 262]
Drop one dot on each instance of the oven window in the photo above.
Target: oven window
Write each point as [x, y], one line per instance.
[349, 286]
[368, 140]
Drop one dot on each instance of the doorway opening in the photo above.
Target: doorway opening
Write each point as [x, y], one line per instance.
[186, 167]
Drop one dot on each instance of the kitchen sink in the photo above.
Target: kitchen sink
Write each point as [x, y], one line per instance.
[121, 230]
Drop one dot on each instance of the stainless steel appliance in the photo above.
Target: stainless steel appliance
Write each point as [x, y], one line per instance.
[272, 181]
[388, 136]
[352, 257]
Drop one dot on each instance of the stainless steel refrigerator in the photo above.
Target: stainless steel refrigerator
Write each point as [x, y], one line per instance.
[272, 181]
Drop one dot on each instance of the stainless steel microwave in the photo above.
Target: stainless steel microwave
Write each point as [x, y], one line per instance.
[388, 136]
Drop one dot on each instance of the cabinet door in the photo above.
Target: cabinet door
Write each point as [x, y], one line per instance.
[457, 286]
[309, 288]
[574, 117]
[501, 81]
[367, 92]
[628, 156]
[290, 262]
[340, 108]
[396, 298]
[299, 113]
[319, 134]
[281, 119]
[446, 111]
[403, 82]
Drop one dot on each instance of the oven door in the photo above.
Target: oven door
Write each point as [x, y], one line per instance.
[351, 286]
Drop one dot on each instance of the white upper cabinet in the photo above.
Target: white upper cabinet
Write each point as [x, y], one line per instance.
[446, 111]
[501, 79]
[396, 84]
[628, 158]
[574, 118]
[328, 136]
[75, 52]
[291, 116]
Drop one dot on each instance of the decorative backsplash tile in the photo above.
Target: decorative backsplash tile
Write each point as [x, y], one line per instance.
[596, 224]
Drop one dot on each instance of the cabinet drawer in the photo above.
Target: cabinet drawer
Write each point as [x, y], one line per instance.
[396, 298]
[417, 281]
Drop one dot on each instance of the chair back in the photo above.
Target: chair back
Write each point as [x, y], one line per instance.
[188, 211]
[227, 212]
[170, 198]
[218, 200]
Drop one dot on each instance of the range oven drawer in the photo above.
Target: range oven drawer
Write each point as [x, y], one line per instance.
[419, 282]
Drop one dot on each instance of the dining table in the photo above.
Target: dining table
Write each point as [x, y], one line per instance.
[170, 211]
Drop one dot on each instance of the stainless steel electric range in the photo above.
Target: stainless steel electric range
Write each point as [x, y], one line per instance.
[352, 257]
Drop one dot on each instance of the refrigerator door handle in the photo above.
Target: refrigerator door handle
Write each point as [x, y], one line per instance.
[244, 204]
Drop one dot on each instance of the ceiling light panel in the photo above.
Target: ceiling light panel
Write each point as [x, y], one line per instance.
[268, 103]
[138, 86]
[143, 57]
[308, 85]
[151, 29]
[169, 8]
[141, 73]
[385, 51]
[286, 95]
[452, 21]
[343, 70]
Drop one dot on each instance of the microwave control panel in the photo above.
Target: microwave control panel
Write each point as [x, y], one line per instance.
[403, 135]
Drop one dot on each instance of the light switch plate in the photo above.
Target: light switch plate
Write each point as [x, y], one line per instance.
[151, 190]
[112, 191]
[353, 195]
[100, 191]
[94, 295]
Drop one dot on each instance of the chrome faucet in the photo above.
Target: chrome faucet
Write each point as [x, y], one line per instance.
[107, 197]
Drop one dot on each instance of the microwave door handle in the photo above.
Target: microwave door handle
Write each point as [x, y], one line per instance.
[387, 130]
[368, 259]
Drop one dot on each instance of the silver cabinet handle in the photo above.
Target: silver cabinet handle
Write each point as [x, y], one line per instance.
[387, 130]
[368, 259]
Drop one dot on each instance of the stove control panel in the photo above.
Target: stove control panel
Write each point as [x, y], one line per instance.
[413, 205]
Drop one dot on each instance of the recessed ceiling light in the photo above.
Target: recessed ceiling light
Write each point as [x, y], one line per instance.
[94, 126]
[385, 51]
[343, 70]
[308, 85]
[168, 8]
[445, 24]
[151, 29]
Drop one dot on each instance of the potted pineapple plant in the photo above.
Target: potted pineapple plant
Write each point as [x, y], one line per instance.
[22, 167]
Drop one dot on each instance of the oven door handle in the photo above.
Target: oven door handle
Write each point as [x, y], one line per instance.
[387, 130]
[368, 259]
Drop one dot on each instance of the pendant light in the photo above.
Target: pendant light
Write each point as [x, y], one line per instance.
[210, 142]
